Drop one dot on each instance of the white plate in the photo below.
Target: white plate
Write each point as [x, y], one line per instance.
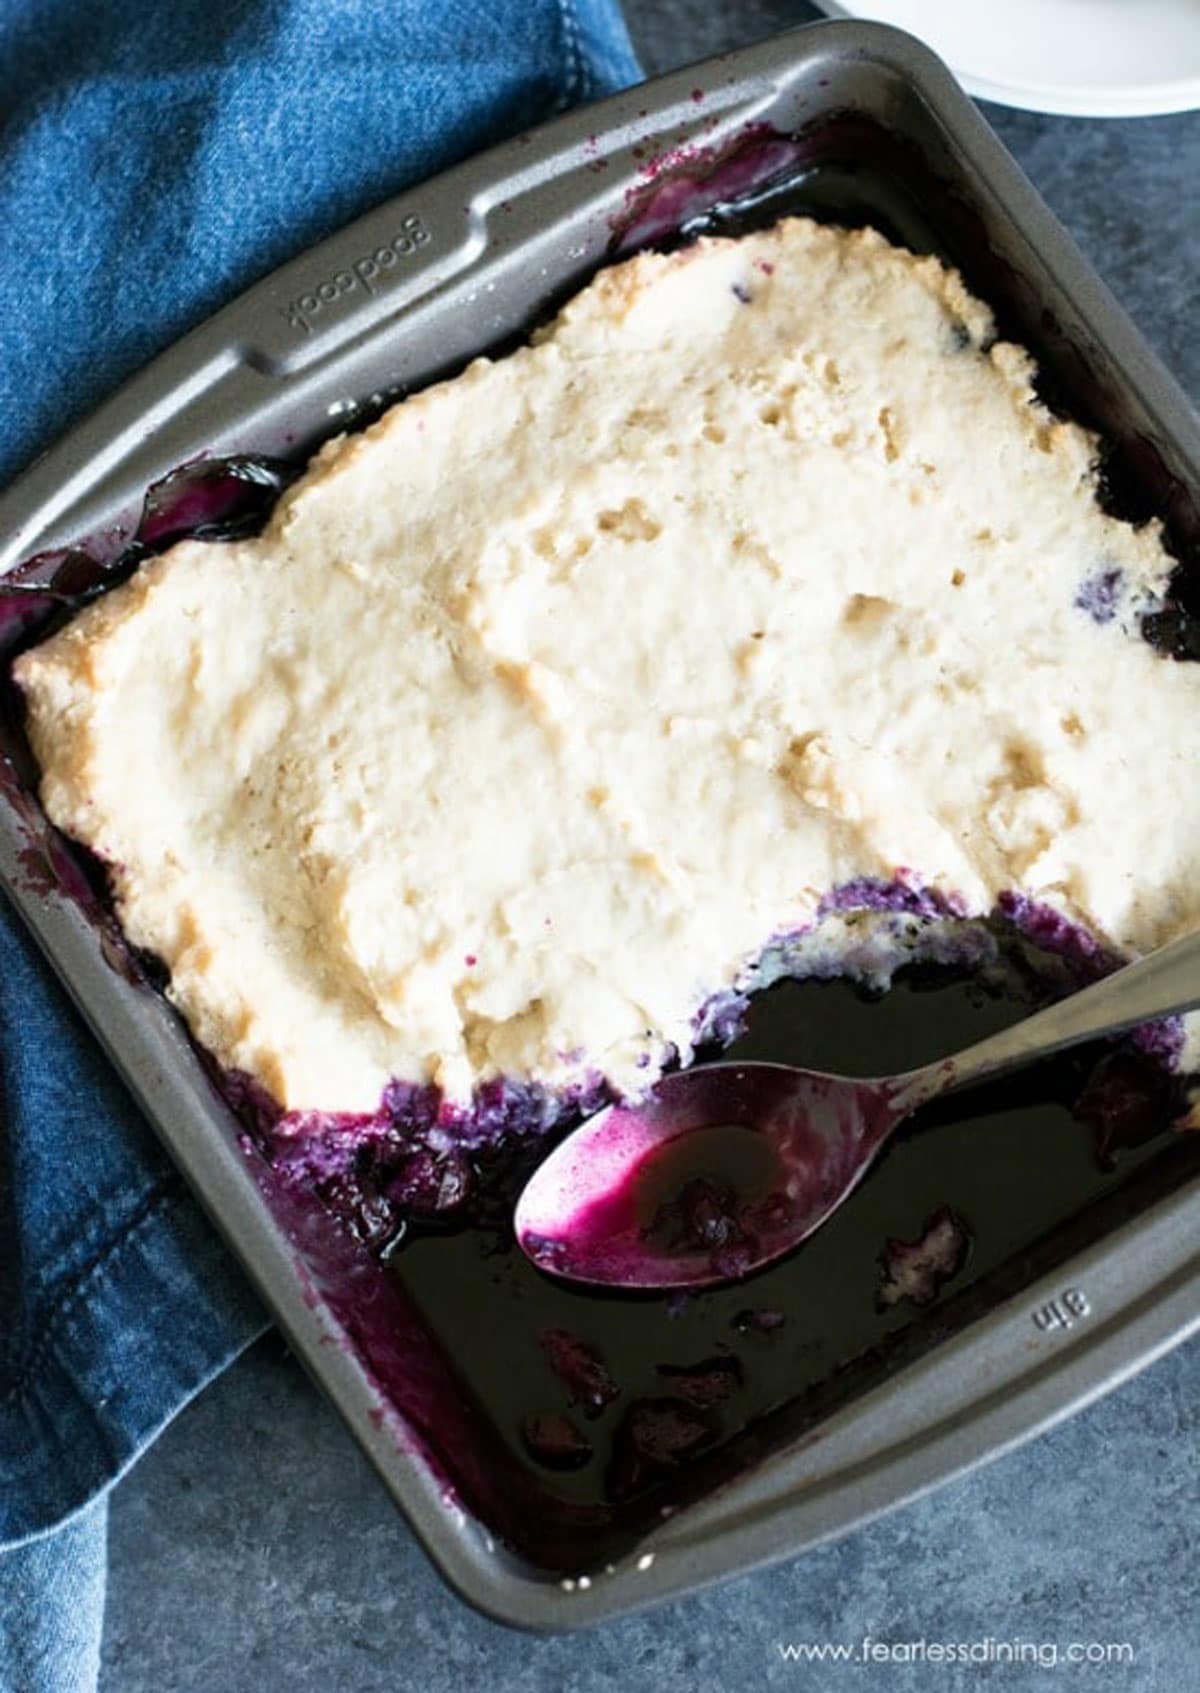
[1083, 58]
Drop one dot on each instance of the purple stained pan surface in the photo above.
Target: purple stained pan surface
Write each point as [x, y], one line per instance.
[680, 186]
[575, 1416]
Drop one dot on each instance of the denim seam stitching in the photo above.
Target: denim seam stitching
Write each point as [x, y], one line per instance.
[574, 86]
[167, 1192]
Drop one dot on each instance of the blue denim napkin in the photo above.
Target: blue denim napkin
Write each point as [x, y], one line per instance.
[154, 160]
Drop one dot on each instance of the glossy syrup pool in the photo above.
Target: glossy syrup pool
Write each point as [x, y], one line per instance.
[1025, 1179]
[567, 1418]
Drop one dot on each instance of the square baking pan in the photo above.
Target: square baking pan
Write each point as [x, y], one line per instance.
[848, 121]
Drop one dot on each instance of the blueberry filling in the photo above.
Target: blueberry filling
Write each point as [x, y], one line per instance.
[759, 1319]
[416, 1159]
[581, 1370]
[919, 1269]
[1099, 594]
[655, 1436]
[427, 1191]
[616, 1405]
[556, 1440]
[710, 1382]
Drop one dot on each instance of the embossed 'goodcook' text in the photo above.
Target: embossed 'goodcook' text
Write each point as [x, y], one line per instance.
[366, 273]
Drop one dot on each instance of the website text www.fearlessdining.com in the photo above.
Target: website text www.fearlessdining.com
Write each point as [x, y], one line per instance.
[1046, 1654]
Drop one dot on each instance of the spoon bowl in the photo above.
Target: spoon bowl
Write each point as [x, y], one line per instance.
[719, 1171]
[724, 1168]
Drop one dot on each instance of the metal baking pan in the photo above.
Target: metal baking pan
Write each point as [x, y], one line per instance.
[841, 118]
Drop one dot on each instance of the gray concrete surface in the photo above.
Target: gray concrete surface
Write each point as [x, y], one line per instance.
[253, 1551]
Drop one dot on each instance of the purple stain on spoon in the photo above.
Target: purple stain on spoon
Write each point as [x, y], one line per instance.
[663, 1194]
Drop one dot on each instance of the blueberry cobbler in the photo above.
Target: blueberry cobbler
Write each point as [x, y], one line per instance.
[755, 619]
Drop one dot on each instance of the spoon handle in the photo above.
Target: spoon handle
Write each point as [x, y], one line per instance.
[1162, 984]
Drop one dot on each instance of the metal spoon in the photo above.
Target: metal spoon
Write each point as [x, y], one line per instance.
[726, 1167]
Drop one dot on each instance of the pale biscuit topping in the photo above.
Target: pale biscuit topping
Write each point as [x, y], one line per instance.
[543, 704]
